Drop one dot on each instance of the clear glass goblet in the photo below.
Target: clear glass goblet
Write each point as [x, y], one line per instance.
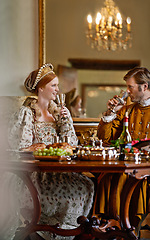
[121, 100]
[60, 98]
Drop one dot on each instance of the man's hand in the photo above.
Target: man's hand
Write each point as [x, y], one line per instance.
[114, 105]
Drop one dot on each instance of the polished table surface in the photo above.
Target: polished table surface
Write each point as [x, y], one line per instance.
[138, 170]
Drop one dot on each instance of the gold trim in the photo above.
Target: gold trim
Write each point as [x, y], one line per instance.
[42, 33]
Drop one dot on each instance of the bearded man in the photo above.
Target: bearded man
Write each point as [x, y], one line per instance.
[138, 88]
[111, 126]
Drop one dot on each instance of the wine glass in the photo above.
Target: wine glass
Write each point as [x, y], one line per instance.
[60, 98]
[121, 97]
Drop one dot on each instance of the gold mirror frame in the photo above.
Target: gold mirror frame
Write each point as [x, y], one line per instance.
[42, 31]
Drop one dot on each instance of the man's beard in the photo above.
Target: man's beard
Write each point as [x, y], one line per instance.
[139, 97]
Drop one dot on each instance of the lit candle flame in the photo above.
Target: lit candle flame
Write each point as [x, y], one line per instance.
[89, 19]
[98, 17]
[128, 24]
[128, 20]
[118, 16]
[119, 20]
[97, 21]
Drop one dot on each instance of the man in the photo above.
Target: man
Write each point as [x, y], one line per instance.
[138, 88]
[111, 124]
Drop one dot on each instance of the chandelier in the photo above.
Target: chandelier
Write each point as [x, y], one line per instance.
[110, 31]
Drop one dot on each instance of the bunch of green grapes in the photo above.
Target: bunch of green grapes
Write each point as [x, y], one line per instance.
[51, 152]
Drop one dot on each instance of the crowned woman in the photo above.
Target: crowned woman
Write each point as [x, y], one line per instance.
[63, 196]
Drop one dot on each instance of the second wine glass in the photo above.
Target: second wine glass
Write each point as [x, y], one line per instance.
[60, 98]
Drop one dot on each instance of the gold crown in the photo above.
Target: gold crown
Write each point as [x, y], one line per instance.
[43, 71]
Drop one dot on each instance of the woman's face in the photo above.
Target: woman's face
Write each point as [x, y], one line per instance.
[50, 90]
[79, 104]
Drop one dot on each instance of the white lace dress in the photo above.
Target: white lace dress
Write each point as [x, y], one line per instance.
[64, 196]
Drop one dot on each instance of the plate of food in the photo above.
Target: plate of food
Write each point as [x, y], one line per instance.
[51, 152]
[33, 147]
[27, 152]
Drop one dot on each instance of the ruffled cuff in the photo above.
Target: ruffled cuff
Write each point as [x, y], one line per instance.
[109, 118]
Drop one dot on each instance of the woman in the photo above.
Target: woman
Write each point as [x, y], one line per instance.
[75, 106]
[64, 196]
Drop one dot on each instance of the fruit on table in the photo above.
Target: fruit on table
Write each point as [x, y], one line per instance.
[132, 150]
[126, 150]
[51, 152]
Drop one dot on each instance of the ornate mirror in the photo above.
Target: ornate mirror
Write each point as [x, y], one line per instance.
[93, 92]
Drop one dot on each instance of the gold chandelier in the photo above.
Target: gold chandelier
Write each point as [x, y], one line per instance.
[110, 31]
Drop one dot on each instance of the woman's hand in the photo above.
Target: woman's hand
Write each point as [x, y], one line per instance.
[64, 112]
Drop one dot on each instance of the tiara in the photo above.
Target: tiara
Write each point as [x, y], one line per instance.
[46, 69]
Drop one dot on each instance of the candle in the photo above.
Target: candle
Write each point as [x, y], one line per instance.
[119, 20]
[128, 24]
[97, 21]
[89, 19]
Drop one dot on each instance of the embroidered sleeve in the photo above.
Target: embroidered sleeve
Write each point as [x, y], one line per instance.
[112, 128]
[21, 129]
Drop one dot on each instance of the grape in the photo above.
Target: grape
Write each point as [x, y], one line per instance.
[45, 150]
[35, 153]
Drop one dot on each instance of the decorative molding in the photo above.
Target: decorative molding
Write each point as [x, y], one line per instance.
[97, 64]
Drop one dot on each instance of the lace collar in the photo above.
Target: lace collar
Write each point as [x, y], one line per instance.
[53, 109]
[145, 103]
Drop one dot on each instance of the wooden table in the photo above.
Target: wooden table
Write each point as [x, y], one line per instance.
[104, 229]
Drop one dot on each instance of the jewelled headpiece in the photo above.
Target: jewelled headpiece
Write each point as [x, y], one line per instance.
[43, 71]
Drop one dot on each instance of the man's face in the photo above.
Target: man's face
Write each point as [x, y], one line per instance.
[135, 91]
